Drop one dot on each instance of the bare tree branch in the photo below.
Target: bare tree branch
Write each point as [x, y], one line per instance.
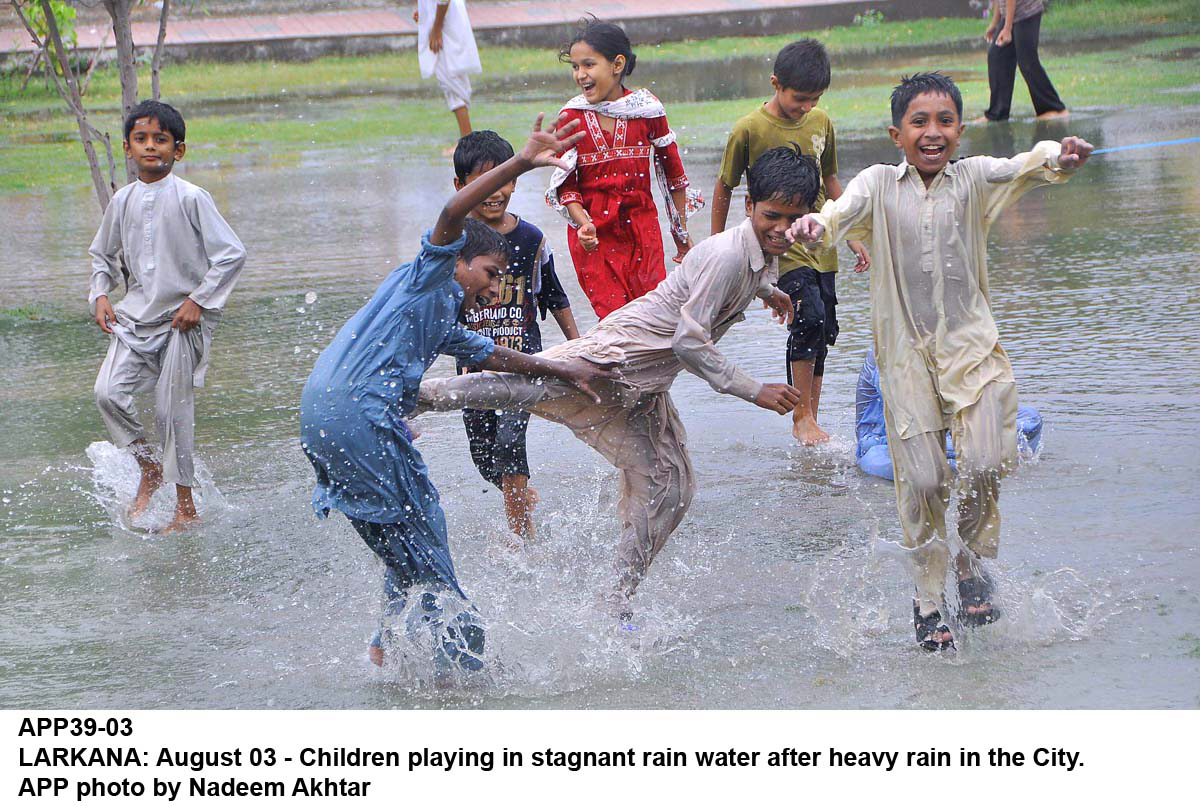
[70, 94]
[156, 63]
[36, 60]
[87, 79]
[118, 10]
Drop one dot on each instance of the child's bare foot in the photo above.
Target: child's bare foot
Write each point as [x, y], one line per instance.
[807, 432]
[151, 481]
[185, 511]
[981, 120]
[181, 523]
[1054, 113]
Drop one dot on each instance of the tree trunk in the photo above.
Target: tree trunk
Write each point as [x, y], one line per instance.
[70, 93]
[118, 10]
[156, 64]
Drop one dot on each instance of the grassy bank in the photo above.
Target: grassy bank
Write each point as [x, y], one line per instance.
[290, 107]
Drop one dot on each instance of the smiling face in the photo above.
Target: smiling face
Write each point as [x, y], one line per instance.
[491, 210]
[480, 281]
[770, 220]
[153, 149]
[597, 77]
[791, 104]
[929, 133]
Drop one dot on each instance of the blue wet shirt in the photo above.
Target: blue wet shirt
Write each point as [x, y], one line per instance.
[366, 381]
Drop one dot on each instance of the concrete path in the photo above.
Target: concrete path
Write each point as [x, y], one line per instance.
[535, 22]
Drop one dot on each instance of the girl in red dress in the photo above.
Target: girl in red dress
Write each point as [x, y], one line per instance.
[614, 235]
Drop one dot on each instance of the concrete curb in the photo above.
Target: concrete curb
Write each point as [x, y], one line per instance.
[538, 23]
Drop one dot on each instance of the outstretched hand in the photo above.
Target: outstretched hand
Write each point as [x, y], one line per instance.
[778, 397]
[806, 229]
[544, 147]
[1075, 152]
[780, 305]
[582, 374]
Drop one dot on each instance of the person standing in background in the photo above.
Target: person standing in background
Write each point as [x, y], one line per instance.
[1012, 36]
[446, 50]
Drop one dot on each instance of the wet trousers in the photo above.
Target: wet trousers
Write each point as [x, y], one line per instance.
[410, 560]
[638, 432]
[1003, 62]
[985, 440]
[167, 364]
[456, 87]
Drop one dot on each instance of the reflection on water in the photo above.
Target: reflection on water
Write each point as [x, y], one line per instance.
[783, 586]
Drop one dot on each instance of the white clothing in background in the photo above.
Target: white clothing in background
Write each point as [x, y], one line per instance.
[459, 56]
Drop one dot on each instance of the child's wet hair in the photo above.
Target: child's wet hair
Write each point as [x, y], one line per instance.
[606, 38]
[919, 84]
[483, 240]
[168, 118]
[784, 174]
[478, 149]
[803, 66]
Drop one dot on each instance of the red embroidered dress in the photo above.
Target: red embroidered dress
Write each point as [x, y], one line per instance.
[612, 180]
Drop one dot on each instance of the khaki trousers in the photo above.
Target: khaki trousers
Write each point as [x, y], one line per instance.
[638, 432]
[985, 442]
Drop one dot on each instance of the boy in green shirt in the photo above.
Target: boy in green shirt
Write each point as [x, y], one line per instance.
[801, 76]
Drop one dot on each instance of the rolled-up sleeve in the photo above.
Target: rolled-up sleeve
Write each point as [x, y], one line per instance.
[1005, 180]
[224, 250]
[468, 346]
[850, 214]
[715, 281]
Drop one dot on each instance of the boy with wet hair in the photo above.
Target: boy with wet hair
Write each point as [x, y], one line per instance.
[801, 76]
[529, 285]
[648, 342]
[163, 237]
[941, 366]
[365, 382]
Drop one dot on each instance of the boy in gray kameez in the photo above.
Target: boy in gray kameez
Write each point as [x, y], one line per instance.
[179, 260]
[649, 341]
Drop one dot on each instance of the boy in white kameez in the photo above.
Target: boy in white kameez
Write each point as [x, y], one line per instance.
[179, 261]
[941, 366]
[651, 340]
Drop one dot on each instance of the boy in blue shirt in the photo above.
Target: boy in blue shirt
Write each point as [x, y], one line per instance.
[364, 383]
[530, 285]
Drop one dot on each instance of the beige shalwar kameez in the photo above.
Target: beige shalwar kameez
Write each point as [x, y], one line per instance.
[941, 365]
[635, 426]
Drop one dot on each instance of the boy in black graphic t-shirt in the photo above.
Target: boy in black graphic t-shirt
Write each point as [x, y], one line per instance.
[529, 287]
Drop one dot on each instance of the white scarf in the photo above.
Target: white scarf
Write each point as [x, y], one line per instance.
[638, 104]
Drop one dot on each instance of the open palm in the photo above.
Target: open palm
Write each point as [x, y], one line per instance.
[544, 147]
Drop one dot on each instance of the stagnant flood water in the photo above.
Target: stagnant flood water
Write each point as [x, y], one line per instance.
[781, 589]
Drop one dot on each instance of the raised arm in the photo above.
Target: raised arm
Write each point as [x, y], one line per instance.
[541, 150]
[838, 217]
[1003, 181]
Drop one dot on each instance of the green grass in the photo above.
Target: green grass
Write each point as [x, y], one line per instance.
[361, 100]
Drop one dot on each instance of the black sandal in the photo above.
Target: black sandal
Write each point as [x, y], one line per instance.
[928, 627]
[977, 592]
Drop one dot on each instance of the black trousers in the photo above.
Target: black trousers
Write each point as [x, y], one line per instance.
[1003, 62]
